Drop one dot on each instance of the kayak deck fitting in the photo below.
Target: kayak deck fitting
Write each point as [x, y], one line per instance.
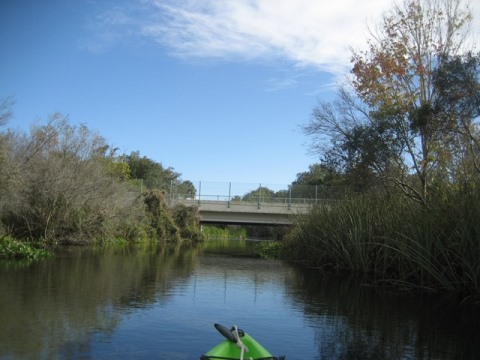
[238, 345]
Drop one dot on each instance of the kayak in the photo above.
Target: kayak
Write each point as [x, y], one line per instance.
[238, 345]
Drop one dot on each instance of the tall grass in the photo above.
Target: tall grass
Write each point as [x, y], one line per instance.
[224, 232]
[396, 240]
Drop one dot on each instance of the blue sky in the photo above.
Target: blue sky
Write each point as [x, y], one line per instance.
[215, 89]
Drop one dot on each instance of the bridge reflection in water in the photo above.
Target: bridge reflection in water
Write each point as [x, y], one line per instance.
[264, 205]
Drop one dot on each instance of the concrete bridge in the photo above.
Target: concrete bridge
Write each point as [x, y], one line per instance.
[246, 213]
[243, 203]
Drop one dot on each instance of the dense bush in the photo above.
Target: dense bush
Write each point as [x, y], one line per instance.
[187, 219]
[56, 187]
[63, 183]
[161, 221]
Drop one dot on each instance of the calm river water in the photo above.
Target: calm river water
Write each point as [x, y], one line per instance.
[148, 302]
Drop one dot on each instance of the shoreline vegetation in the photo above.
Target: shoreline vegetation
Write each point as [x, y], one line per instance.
[396, 241]
[62, 184]
[12, 249]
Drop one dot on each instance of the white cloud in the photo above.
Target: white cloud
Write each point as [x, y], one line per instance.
[278, 84]
[304, 32]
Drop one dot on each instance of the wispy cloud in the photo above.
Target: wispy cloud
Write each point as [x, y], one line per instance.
[110, 26]
[278, 84]
[303, 32]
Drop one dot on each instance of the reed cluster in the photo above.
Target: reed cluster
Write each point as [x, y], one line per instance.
[396, 240]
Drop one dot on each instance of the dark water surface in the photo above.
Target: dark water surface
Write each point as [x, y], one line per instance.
[148, 302]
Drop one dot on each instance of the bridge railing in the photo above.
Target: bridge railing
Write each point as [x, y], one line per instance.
[259, 193]
[222, 198]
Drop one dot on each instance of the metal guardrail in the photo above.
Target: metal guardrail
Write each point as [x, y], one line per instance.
[259, 194]
[235, 200]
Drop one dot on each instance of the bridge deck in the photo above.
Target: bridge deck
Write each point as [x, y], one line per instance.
[241, 212]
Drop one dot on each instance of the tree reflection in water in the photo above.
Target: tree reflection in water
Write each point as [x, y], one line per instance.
[150, 301]
[353, 321]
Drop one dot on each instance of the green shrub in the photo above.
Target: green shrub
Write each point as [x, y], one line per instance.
[162, 224]
[269, 249]
[225, 232]
[187, 219]
[13, 249]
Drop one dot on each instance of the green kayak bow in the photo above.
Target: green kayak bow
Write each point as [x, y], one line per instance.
[238, 346]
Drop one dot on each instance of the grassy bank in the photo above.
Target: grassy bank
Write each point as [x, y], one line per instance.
[396, 241]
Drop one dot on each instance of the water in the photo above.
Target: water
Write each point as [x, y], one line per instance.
[149, 302]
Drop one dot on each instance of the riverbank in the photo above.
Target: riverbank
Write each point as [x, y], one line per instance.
[396, 241]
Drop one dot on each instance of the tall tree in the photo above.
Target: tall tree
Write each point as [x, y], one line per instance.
[389, 124]
[319, 182]
[153, 174]
[395, 74]
[260, 194]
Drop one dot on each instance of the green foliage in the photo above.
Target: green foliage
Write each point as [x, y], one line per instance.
[185, 188]
[118, 169]
[458, 85]
[269, 249]
[148, 174]
[188, 220]
[318, 174]
[13, 249]
[261, 194]
[297, 191]
[171, 224]
[457, 106]
[321, 181]
[162, 224]
[224, 232]
[154, 176]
